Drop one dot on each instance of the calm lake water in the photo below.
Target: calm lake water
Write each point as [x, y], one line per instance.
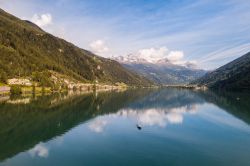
[134, 127]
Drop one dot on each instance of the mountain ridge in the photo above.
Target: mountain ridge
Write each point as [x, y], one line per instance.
[161, 70]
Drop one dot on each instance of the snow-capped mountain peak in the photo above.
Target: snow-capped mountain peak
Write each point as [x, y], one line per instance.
[167, 68]
[140, 59]
[165, 61]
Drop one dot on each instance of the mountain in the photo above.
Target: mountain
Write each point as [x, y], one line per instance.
[161, 71]
[232, 76]
[26, 50]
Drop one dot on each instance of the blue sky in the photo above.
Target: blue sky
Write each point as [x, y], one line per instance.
[208, 32]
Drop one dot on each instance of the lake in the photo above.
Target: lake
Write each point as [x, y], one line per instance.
[133, 127]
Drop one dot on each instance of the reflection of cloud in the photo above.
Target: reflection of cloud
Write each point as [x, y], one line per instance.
[152, 117]
[39, 150]
[145, 117]
[193, 109]
[174, 118]
[98, 125]
[158, 117]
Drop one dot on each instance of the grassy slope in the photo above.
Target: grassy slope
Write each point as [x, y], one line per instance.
[25, 48]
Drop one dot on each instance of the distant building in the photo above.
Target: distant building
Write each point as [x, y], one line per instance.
[19, 81]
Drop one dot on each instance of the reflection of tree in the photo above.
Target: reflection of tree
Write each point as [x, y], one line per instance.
[22, 126]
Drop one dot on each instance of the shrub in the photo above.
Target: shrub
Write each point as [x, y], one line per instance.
[43, 78]
[56, 87]
[74, 88]
[15, 90]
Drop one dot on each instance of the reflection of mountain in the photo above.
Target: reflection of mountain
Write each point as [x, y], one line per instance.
[158, 108]
[167, 99]
[162, 107]
[169, 105]
[24, 125]
[237, 104]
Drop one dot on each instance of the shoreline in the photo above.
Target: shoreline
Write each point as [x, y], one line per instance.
[28, 90]
[5, 90]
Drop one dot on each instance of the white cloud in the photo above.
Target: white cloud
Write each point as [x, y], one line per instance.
[39, 150]
[175, 56]
[98, 125]
[99, 47]
[154, 55]
[42, 20]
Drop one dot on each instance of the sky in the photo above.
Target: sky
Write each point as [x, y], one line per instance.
[209, 33]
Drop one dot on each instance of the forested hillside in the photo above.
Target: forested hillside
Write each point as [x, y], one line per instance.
[28, 51]
[232, 76]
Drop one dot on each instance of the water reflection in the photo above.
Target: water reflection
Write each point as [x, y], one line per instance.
[22, 125]
[98, 125]
[27, 123]
[158, 108]
[158, 117]
[237, 104]
[39, 150]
